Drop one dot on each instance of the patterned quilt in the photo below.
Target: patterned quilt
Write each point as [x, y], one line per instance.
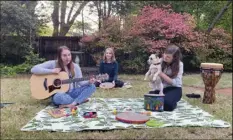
[184, 115]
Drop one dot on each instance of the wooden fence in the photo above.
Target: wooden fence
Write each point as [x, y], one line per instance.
[47, 46]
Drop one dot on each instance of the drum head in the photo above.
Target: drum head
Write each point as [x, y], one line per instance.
[107, 85]
[216, 66]
[131, 117]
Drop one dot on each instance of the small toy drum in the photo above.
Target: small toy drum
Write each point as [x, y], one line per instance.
[154, 102]
[211, 73]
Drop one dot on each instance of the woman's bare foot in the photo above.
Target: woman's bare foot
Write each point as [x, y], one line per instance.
[72, 104]
[67, 106]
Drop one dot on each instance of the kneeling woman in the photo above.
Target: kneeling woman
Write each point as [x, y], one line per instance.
[171, 75]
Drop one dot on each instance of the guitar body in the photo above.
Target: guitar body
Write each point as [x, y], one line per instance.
[44, 86]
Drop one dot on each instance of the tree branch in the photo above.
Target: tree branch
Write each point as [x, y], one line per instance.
[78, 12]
[71, 9]
[219, 16]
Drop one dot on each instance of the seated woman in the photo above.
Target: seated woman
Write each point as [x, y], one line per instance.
[109, 65]
[78, 92]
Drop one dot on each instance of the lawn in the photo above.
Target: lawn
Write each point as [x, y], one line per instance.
[17, 90]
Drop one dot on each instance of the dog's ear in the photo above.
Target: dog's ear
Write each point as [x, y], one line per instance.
[158, 53]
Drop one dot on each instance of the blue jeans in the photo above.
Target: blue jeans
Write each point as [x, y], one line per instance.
[77, 95]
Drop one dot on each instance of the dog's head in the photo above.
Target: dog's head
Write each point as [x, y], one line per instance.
[153, 59]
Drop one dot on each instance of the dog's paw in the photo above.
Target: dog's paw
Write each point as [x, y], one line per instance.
[161, 93]
[154, 78]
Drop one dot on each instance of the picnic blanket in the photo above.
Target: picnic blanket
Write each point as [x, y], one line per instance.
[183, 116]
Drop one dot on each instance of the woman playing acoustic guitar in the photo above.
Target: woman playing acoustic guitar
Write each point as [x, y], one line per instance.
[78, 92]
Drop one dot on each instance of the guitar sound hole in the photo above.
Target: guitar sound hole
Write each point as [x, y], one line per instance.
[57, 82]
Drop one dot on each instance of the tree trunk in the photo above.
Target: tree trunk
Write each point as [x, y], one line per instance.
[219, 16]
[104, 14]
[107, 11]
[66, 27]
[98, 6]
[63, 12]
[109, 8]
[83, 23]
[55, 18]
[31, 5]
[104, 9]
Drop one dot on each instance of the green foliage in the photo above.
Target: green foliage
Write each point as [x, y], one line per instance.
[220, 56]
[7, 70]
[137, 65]
[18, 28]
[31, 60]
[192, 62]
[13, 49]
[45, 31]
[16, 19]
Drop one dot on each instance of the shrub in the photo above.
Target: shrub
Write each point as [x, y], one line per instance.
[24, 68]
[159, 26]
[152, 30]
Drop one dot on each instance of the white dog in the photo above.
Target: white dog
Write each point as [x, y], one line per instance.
[152, 74]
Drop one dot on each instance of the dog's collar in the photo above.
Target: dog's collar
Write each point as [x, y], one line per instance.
[156, 64]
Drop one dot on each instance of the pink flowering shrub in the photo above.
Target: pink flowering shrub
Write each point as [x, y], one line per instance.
[152, 30]
[161, 26]
[87, 39]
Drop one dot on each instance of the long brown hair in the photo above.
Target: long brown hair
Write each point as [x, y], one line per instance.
[175, 52]
[59, 64]
[113, 55]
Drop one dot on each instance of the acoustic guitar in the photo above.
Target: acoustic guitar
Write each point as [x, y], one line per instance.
[44, 86]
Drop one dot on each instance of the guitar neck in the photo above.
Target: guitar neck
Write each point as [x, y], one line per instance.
[67, 81]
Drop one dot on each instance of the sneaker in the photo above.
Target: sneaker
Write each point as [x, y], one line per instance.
[127, 83]
[127, 86]
[193, 95]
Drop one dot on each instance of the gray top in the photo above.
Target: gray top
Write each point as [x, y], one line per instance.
[177, 81]
[48, 66]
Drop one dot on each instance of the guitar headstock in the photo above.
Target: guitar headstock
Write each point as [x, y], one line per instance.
[102, 77]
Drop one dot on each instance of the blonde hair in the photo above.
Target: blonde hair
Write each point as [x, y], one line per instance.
[113, 55]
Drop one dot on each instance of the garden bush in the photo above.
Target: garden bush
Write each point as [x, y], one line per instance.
[31, 59]
[152, 30]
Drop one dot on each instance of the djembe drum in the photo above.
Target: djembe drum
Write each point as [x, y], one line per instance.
[211, 73]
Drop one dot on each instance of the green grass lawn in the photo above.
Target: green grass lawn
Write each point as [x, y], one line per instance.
[15, 116]
[196, 80]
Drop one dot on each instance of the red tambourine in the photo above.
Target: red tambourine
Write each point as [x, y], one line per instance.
[131, 117]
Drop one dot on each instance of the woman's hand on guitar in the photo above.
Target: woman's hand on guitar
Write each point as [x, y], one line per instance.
[56, 70]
